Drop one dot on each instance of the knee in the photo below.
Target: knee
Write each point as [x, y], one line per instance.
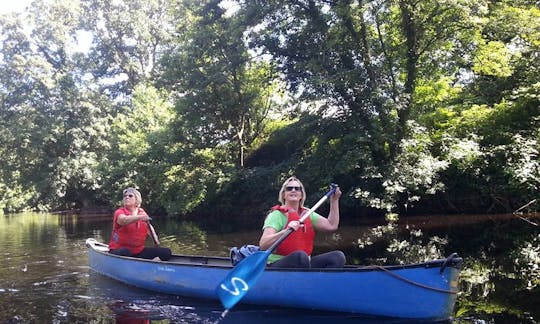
[166, 254]
[339, 258]
[302, 259]
[121, 252]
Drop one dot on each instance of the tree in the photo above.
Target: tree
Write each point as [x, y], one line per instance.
[59, 120]
[363, 58]
[129, 38]
[487, 126]
[223, 95]
[140, 148]
[366, 61]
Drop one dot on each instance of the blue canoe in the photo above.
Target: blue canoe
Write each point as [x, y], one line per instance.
[415, 291]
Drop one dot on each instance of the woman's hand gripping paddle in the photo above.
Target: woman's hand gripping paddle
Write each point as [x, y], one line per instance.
[246, 273]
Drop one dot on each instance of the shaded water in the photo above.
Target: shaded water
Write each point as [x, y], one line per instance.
[44, 274]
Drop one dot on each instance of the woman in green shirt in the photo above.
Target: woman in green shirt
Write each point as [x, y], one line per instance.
[295, 251]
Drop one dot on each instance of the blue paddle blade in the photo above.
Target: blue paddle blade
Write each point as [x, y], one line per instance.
[241, 279]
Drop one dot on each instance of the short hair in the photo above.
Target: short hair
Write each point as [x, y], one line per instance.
[282, 191]
[135, 192]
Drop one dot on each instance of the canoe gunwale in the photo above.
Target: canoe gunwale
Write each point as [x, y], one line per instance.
[205, 261]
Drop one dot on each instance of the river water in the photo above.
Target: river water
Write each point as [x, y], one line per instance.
[44, 274]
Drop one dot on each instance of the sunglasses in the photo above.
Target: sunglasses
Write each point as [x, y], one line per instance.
[291, 188]
[128, 195]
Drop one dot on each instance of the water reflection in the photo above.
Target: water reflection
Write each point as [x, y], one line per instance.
[132, 305]
[44, 276]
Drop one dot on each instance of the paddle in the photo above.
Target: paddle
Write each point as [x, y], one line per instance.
[153, 233]
[247, 272]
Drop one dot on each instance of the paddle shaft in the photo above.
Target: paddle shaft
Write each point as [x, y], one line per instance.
[153, 233]
[303, 218]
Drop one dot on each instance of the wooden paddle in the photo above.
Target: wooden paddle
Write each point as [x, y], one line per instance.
[247, 272]
[153, 233]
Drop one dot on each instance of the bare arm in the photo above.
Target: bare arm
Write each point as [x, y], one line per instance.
[270, 235]
[331, 223]
[133, 217]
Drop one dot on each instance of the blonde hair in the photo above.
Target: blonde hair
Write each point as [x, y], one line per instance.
[135, 193]
[281, 197]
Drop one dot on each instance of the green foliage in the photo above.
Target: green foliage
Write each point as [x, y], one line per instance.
[197, 179]
[523, 165]
[400, 103]
[128, 39]
[433, 95]
[63, 132]
[414, 173]
[139, 155]
[492, 59]
[224, 97]
[491, 150]
[13, 197]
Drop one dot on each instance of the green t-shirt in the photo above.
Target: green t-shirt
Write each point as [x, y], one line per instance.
[277, 220]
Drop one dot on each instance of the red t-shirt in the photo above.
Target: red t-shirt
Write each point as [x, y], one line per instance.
[131, 236]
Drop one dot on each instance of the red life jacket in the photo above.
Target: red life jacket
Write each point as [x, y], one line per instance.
[302, 239]
[131, 236]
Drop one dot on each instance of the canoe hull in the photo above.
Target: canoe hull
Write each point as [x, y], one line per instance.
[420, 291]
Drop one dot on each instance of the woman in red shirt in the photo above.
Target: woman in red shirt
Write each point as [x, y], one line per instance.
[130, 228]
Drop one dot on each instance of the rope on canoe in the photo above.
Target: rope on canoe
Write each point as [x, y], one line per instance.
[412, 282]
